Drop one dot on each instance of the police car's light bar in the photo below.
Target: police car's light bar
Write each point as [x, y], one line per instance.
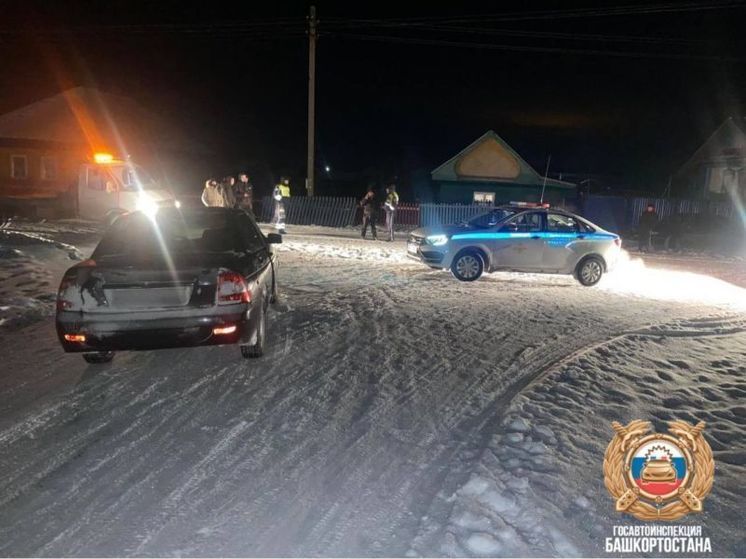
[530, 204]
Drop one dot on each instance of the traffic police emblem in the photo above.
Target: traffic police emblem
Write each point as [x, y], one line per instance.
[656, 476]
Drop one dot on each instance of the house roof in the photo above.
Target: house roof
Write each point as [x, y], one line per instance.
[500, 155]
[89, 118]
[730, 134]
[75, 116]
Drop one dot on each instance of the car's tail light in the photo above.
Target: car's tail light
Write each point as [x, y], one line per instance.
[232, 289]
[618, 242]
[64, 293]
[78, 338]
[63, 296]
[223, 330]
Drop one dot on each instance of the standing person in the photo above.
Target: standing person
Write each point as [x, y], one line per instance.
[389, 206]
[214, 195]
[368, 203]
[281, 193]
[229, 191]
[244, 193]
[648, 221]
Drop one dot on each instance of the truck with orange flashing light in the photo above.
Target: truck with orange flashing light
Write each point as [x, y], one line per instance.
[108, 187]
[104, 187]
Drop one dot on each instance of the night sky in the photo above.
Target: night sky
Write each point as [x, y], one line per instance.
[622, 91]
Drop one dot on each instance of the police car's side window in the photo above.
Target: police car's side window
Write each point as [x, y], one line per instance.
[529, 222]
[558, 223]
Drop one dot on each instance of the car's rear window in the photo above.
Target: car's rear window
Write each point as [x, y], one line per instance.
[178, 233]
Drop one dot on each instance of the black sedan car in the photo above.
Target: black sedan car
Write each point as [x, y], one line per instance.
[191, 277]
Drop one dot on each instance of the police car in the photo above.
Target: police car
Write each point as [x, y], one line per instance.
[521, 238]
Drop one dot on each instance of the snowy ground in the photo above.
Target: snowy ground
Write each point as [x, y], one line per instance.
[33, 257]
[396, 412]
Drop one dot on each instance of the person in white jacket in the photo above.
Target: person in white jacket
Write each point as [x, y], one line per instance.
[214, 195]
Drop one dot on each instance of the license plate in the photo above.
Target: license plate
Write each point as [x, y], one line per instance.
[411, 248]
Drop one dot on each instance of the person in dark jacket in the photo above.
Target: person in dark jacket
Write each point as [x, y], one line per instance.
[228, 185]
[244, 193]
[368, 203]
[648, 221]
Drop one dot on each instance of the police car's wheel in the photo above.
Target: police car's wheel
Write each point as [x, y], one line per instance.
[467, 266]
[589, 271]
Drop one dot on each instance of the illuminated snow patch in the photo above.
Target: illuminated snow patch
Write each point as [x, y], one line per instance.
[632, 277]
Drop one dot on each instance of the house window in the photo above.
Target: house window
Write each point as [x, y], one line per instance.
[484, 197]
[48, 168]
[19, 166]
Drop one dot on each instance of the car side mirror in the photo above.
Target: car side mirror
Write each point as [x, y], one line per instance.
[274, 238]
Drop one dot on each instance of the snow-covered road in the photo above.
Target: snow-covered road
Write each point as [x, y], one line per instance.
[382, 390]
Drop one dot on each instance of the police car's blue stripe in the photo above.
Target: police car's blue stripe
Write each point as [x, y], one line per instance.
[540, 235]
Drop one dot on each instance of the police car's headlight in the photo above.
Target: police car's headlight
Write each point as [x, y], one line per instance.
[437, 240]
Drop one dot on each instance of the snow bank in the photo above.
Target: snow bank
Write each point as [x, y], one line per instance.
[541, 471]
[33, 257]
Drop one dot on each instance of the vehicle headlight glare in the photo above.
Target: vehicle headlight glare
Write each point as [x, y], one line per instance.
[437, 240]
[147, 205]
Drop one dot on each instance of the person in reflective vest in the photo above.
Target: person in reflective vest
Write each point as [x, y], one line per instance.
[389, 206]
[280, 194]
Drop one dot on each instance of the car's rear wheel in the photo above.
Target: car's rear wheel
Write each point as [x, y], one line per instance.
[589, 271]
[467, 266]
[275, 295]
[99, 357]
[257, 349]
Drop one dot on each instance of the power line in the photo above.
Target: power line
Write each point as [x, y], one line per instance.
[529, 48]
[594, 37]
[275, 26]
[624, 10]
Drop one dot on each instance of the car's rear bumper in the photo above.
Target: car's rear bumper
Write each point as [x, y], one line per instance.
[132, 331]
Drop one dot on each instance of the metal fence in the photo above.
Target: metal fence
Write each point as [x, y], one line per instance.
[407, 217]
[333, 212]
[319, 210]
[666, 207]
[440, 214]
[615, 213]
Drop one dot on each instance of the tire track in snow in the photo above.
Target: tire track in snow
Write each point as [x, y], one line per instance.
[334, 444]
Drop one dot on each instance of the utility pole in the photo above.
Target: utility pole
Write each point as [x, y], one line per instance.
[310, 171]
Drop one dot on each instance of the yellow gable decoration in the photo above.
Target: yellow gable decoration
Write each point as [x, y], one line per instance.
[488, 160]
